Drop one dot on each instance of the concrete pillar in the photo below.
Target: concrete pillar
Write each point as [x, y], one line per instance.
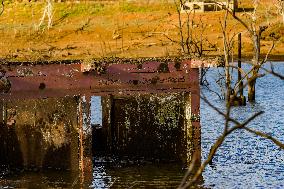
[151, 126]
[45, 132]
[195, 116]
[85, 139]
[187, 130]
[107, 111]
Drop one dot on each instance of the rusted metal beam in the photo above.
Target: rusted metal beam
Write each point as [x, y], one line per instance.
[59, 80]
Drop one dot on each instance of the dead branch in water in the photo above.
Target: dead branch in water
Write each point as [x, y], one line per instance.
[188, 181]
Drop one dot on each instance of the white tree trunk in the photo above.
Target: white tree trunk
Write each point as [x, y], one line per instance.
[48, 12]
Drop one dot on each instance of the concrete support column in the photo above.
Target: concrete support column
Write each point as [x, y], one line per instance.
[43, 133]
[187, 144]
[195, 115]
[108, 112]
[85, 139]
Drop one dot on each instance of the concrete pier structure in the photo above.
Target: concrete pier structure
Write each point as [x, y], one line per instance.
[153, 127]
[43, 133]
[149, 110]
[47, 134]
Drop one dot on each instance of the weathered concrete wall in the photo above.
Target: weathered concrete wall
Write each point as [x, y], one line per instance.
[203, 6]
[150, 126]
[42, 133]
[48, 133]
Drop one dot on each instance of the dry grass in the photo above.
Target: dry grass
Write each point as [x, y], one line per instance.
[87, 30]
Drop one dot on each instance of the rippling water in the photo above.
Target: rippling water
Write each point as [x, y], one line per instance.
[243, 161]
[138, 176]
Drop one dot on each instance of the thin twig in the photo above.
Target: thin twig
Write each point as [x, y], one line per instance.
[227, 131]
[216, 146]
[2, 7]
[267, 136]
[189, 171]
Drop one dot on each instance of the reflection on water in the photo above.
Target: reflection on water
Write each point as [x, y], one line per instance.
[104, 176]
[100, 178]
[47, 179]
[137, 176]
[244, 161]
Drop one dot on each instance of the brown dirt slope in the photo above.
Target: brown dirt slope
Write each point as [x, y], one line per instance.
[89, 30]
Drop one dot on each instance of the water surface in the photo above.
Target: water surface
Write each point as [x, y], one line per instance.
[246, 160]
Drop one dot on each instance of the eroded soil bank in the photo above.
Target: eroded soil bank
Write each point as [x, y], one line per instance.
[87, 30]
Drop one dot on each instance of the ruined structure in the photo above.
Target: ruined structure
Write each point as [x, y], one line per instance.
[41, 133]
[149, 109]
[207, 5]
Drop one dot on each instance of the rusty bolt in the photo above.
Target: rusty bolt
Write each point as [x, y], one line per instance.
[42, 86]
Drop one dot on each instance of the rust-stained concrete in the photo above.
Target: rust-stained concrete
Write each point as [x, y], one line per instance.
[118, 77]
[43, 132]
[159, 121]
[154, 127]
[55, 133]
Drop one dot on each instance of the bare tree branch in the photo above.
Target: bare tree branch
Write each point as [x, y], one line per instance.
[268, 53]
[251, 76]
[259, 133]
[264, 135]
[215, 147]
[2, 7]
[48, 12]
[180, 23]
[273, 72]
[189, 171]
